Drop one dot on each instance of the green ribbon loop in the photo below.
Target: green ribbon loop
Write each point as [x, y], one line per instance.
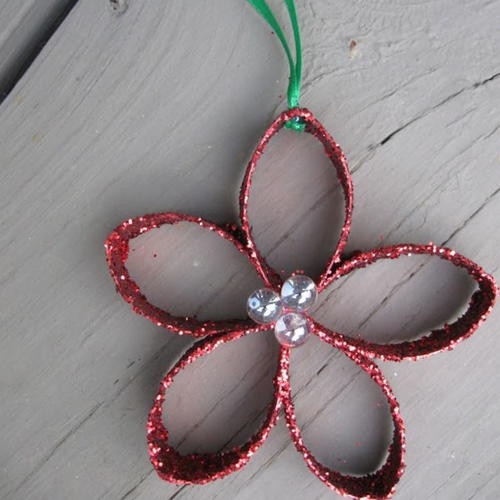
[293, 93]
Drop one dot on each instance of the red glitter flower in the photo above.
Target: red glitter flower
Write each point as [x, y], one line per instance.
[202, 468]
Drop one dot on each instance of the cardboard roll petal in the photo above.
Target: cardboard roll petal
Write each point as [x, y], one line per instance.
[338, 161]
[378, 484]
[117, 251]
[200, 468]
[440, 339]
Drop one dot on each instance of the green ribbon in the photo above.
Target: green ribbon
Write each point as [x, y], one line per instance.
[293, 93]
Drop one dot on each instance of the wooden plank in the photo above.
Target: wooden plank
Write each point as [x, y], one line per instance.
[156, 110]
[25, 26]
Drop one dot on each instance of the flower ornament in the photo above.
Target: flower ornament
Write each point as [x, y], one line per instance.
[285, 306]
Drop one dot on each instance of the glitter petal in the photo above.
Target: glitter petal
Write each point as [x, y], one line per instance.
[117, 249]
[446, 338]
[339, 162]
[379, 484]
[197, 468]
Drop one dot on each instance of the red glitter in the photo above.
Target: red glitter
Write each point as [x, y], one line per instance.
[202, 468]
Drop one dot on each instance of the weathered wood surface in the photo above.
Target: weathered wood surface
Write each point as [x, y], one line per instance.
[157, 109]
[25, 25]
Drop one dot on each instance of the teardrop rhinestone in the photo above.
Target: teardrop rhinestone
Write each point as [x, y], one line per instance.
[264, 306]
[299, 293]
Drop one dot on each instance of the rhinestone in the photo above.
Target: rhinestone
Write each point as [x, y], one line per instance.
[298, 293]
[264, 306]
[292, 329]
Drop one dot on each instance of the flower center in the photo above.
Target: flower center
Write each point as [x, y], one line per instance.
[291, 327]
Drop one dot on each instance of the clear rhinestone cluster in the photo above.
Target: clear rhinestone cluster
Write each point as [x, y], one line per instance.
[286, 310]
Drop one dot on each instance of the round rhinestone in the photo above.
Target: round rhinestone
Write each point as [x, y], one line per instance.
[298, 293]
[264, 306]
[292, 329]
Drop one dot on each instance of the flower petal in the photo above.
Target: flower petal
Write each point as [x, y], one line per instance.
[334, 153]
[117, 250]
[379, 484]
[445, 338]
[198, 468]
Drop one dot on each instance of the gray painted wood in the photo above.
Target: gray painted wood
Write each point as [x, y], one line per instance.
[25, 25]
[157, 110]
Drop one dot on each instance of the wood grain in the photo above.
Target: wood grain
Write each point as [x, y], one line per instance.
[25, 26]
[158, 109]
